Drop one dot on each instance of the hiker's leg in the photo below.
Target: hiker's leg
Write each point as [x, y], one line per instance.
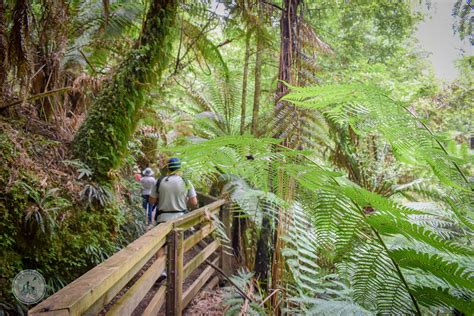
[145, 207]
[150, 213]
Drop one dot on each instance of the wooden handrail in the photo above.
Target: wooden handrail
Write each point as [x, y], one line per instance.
[195, 217]
[78, 296]
[96, 288]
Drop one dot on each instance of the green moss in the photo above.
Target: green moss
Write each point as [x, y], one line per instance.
[102, 140]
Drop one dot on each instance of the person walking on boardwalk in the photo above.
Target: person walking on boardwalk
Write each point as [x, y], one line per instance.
[173, 193]
[148, 183]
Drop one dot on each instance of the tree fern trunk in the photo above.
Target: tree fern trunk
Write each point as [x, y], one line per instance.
[101, 141]
[265, 258]
[264, 248]
[287, 72]
[263, 253]
[244, 83]
[258, 73]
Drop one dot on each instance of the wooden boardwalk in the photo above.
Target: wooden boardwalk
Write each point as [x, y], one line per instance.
[90, 293]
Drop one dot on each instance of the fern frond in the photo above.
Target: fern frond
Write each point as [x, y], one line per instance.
[393, 226]
[451, 272]
[375, 282]
[429, 296]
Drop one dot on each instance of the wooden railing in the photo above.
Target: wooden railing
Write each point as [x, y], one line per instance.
[94, 292]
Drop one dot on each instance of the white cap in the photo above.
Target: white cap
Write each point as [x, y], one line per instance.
[148, 172]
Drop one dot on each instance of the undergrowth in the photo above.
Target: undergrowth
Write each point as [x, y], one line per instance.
[54, 219]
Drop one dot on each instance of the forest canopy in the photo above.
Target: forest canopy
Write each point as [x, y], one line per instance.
[348, 165]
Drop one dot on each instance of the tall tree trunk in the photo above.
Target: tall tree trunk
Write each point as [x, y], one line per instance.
[289, 42]
[258, 72]
[288, 45]
[102, 139]
[106, 7]
[267, 255]
[244, 82]
[3, 54]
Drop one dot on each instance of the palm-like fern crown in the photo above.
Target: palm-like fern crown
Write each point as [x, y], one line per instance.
[216, 107]
[347, 248]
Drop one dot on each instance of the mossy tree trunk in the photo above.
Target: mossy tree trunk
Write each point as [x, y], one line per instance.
[101, 141]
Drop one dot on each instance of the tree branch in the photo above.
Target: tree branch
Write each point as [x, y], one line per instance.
[38, 96]
[242, 293]
[273, 5]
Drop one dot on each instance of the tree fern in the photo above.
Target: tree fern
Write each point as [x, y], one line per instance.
[367, 108]
[330, 215]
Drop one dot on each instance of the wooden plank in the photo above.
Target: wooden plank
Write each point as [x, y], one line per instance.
[191, 241]
[200, 258]
[114, 290]
[226, 257]
[130, 300]
[175, 273]
[156, 302]
[197, 216]
[198, 283]
[60, 312]
[82, 293]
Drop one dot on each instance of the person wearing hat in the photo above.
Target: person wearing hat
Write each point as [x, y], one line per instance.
[173, 193]
[147, 182]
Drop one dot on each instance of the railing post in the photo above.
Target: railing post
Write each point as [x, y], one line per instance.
[226, 257]
[174, 292]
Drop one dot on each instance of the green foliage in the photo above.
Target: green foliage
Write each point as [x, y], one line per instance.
[97, 39]
[367, 110]
[450, 272]
[462, 11]
[349, 241]
[40, 218]
[373, 30]
[44, 224]
[235, 300]
[382, 277]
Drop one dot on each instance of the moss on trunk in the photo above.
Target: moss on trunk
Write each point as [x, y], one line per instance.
[101, 141]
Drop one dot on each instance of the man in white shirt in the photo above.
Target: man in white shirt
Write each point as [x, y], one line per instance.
[173, 193]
